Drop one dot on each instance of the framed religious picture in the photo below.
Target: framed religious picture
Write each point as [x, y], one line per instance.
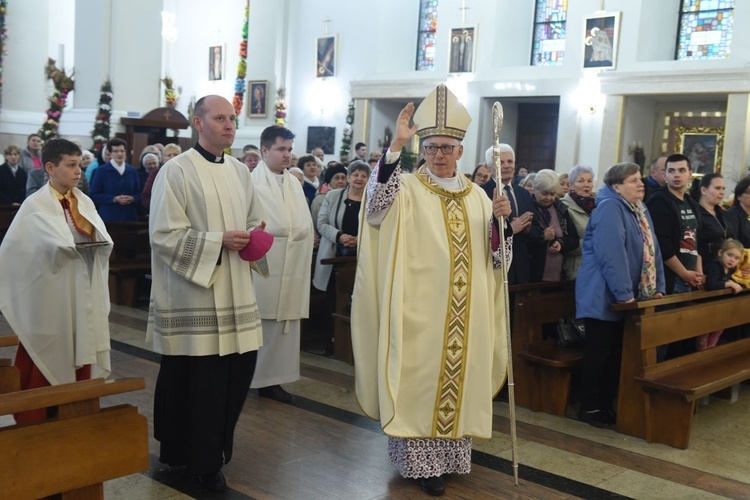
[257, 99]
[600, 40]
[702, 146]
[321, 137]
[325, 56]
[462, 50]
[216, 62]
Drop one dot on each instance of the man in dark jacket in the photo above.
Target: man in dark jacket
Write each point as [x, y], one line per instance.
[521, 211]
[656, 178]
[676, 219]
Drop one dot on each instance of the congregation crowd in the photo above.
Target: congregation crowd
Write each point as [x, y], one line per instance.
[634, 239]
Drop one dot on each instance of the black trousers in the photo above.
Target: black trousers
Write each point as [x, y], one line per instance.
[600, 370]
[197, 402]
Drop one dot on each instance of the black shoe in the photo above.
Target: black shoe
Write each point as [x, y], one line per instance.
[432, 485]
[213, 482]
[598, 418]
[275, 392]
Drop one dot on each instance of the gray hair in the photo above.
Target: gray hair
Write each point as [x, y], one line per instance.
[616, 174]
[578, 170]
[529, 178]
[357, 165]
[87, 154]
[504, 148]
[147, 155]
[547, 181]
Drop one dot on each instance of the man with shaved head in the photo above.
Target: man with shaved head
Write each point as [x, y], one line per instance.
[203, 318]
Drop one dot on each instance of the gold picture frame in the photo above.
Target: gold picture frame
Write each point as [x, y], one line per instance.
[703, 146]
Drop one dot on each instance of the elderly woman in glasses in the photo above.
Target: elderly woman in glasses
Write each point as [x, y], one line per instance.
[553, 232]
[580, 202]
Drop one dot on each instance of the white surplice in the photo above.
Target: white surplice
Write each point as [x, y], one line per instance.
[283, 297]
[54, 294]
[200, 306]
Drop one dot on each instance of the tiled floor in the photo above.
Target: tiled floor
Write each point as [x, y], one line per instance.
[321, 447]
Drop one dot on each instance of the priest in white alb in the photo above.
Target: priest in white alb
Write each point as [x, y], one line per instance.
[284, 297]
[428, 323]
[203, 318]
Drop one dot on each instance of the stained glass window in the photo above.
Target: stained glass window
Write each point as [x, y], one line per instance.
[549, 32]
[426, 34]
[705, 30]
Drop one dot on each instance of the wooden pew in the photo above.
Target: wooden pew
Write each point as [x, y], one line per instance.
[344, 269]
[657, 400]
[130, 260]
[7, 213]
[542, 370]
[75, 452]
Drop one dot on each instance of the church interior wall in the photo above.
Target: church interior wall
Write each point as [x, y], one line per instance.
[376, 51]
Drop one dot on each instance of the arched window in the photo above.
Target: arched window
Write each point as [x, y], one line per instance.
[549, 32]
[705, 29]
[426, 34]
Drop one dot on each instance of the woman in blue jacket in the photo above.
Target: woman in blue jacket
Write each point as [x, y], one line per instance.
[621, 262]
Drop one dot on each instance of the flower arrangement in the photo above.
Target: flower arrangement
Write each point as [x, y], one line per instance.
[63, 86]
[346, 140]
[100, 133]
[280, 106]
[170, 96]
[239, 85]
[3, 37]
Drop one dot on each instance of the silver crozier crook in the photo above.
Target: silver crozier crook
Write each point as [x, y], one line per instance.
[497, 126]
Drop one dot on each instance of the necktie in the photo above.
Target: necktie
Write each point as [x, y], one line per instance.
[514, 204]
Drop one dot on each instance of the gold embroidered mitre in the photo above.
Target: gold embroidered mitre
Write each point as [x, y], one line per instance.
[441, 113]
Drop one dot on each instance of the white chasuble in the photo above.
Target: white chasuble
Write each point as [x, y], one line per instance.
[55, 295]
[202, 299]
[428, 333]
[285, 294]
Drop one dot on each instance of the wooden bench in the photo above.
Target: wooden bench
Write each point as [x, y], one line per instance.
[657, 400]
[79, 449]
[542, 369]
[344, 269]
[130, 260]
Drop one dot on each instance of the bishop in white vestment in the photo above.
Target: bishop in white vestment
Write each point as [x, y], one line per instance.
[428, 334]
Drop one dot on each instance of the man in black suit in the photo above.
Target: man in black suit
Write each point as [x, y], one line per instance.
[521, 211]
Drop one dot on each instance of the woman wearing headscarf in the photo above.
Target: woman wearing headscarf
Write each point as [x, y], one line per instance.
[621, 263]
[552, 231]
[580, 202]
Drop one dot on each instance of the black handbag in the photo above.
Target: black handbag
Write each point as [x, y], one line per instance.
[571, 332]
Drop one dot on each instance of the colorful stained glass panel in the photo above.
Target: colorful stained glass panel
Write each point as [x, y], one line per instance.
[428, 16]
[549, 33]
[704, 33]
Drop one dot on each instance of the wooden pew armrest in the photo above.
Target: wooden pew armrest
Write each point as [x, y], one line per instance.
[32, 399]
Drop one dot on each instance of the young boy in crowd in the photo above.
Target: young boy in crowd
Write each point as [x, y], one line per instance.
[54, 265]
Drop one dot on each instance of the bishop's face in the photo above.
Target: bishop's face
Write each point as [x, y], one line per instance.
[442, 154]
